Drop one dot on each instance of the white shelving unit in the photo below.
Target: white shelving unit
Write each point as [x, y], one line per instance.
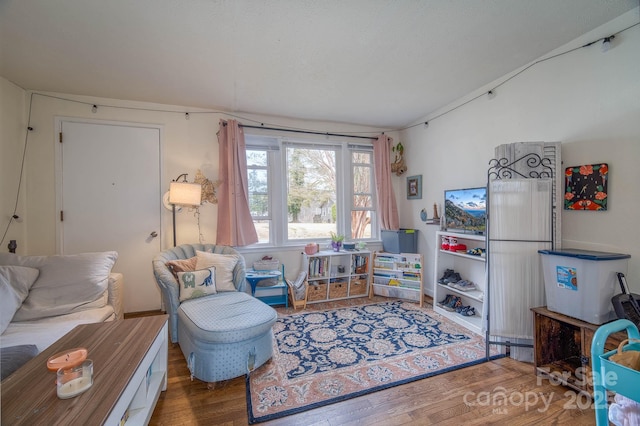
[398, 275]
[139, 398]
[471, 268]
[338, 275]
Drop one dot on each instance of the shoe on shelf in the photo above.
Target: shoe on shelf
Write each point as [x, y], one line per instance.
[460, 309]
[468, 312]
[453, 304]
[465, 285]
[453, 278]
[447, 274]
[446, 300]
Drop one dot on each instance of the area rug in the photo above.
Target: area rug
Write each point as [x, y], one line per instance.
[323, 357]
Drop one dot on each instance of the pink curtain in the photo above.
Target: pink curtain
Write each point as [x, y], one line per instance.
[235, 226]
[387, 207]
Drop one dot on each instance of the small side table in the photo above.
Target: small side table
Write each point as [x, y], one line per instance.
[271, 295]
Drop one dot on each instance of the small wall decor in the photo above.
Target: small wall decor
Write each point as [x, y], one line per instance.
[398, 166]
[208, 188]
[586, 187]
[414, 187]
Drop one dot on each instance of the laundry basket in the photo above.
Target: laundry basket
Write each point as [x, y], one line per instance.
[609, 375]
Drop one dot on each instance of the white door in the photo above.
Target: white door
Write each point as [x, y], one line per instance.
[111, 200]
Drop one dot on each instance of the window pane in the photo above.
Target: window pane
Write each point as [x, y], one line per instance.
[311, 192]
[361, 158]
[259, 205]
[256, 158]
[262, 228]
[360, 224]
[362, 194]
[362, 180]
[362, 202]
[258, 192]
[258, 180]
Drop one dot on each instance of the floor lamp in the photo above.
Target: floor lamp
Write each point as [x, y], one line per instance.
[183, 194]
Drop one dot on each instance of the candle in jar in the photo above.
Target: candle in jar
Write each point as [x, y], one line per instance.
[74, 387]
[73, 381]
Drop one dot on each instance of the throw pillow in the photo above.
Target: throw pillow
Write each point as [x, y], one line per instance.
[66, 284]
[182, 265]
[195, 284]
[15, 282]
[224, 263]
[14, 357]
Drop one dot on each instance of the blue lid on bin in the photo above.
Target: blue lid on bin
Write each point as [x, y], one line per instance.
[586, 254]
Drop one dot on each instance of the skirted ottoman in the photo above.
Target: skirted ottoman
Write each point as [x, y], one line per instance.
[222, 337]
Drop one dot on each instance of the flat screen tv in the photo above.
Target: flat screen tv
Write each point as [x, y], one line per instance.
[465, 210]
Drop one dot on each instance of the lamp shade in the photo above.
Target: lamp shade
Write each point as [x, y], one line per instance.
[185, 194]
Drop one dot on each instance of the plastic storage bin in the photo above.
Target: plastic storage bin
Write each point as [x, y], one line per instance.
[581, 283]
[401, 241]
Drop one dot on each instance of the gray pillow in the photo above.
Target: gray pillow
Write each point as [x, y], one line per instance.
[66, 284]
[14, 357]
[15, 282]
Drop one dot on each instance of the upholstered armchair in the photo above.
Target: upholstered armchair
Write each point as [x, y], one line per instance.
[169, 284]
[225, 333]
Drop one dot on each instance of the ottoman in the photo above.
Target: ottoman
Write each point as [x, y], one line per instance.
[219, 333]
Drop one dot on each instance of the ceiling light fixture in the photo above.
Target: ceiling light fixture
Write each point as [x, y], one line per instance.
[606, 43]
[94, 109]
[186, 116]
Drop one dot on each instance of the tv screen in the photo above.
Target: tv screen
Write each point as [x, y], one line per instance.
[465, 210]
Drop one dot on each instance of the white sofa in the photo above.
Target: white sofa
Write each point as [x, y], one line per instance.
[44, 297]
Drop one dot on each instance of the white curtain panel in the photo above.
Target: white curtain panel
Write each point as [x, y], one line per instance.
[520, 225]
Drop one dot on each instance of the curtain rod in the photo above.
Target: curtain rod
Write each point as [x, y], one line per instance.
[306, 132]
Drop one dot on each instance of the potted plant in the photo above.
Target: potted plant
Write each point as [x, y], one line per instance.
[336, 241]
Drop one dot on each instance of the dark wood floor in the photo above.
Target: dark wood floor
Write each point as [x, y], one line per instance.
[469, 396]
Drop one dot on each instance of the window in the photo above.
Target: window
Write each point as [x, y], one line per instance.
[311, 190]
[362, 208]
[301, 191]
[258, 183]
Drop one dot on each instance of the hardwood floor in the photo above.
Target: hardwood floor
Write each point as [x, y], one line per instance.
[503, 391]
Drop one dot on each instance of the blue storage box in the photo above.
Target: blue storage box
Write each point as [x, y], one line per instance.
[581, 283]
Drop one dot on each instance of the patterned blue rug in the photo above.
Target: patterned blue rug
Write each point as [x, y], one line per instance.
[328, 356]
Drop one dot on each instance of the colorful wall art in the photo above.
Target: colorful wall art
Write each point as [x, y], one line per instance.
[586, 187]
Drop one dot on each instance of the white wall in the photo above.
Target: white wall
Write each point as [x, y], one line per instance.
[188, 145]
[587, 99]
[13, 127]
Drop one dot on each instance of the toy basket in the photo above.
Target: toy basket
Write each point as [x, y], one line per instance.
[266, 265]
[621, 379]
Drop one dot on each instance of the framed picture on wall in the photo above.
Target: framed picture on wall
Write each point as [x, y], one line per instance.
[585, 187]
[414, 187]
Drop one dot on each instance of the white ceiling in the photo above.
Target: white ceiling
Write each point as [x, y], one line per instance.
[383, 63]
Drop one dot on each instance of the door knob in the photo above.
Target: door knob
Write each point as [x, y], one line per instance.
[153, 234]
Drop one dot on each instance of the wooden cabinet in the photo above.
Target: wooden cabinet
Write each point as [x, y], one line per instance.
[337, 275]
[471, 268]
[562, 349]
[398, 275]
